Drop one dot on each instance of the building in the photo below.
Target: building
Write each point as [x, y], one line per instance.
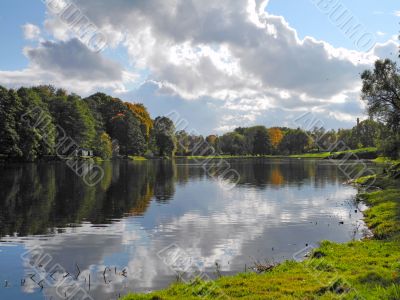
[82, 152]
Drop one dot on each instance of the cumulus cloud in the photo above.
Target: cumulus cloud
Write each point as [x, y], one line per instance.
[72, 59]
[232, 53]
[70, 65]
[31, 32]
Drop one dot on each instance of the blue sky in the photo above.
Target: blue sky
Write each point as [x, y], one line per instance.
[136, 67]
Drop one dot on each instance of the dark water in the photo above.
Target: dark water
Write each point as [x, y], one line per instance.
[116, 230]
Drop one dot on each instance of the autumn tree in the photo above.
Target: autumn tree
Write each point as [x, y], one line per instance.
[141, 113]
[276, 136]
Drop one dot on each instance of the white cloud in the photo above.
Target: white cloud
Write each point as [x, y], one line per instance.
[233, 54]
[397, 13]
[31, 32]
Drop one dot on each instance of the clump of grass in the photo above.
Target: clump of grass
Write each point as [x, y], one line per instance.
[137, 158]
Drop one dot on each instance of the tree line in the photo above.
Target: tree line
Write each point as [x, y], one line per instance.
[259, 140]
[380, 92]
[111, 127]
[104, 124]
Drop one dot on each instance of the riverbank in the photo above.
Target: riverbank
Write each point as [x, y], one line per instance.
[367, 269]
[364, 153]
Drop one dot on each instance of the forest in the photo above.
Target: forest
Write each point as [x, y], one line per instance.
[113, 128]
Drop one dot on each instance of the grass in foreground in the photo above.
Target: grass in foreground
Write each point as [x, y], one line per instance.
[368, 269]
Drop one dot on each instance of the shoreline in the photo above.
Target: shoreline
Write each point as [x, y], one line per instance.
[365, 154]
[368, 268]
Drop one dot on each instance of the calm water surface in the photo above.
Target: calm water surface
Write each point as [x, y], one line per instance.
[114, 231]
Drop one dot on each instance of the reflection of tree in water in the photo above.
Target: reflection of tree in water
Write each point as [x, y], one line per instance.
[37, 197]
[24, 210]
[164, 185]
[263, 173]
[276, 177]
[34, 198]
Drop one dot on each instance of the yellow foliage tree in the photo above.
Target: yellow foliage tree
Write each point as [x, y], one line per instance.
[276, 136]
[140, 112]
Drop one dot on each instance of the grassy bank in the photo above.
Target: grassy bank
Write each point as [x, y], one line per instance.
[368, 269]
[367, 153]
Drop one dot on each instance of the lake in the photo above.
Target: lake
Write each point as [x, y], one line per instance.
[123, 231]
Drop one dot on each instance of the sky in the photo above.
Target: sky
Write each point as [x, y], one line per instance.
[213, 65]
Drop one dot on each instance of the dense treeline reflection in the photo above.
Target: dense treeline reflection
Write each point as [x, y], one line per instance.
[43, 198]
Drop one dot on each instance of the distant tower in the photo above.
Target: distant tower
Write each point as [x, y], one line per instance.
[358, 122]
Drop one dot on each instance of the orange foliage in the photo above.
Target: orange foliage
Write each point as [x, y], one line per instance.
[140, 112]
[212, 139]
[276, 136]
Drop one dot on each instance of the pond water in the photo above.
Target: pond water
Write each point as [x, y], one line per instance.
[123, 231]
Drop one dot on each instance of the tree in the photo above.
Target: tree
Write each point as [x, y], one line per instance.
[141, 113]
[164, 134]
[10, 104]
[103, 146]
[295, 141]
[276, 136]
[182, 143]
[233, 143]
[126, 129]
[381, 91]
[37, 132]
[117, 119]
[213, 141]
[366, 133]
[262, 144]
[73, 116]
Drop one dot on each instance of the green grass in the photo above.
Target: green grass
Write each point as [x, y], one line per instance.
[361, 150]
[385, 160]
[368, 269]
[364, 152]
[137, 158]
[312, 155]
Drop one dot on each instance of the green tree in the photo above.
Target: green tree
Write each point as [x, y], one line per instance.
[126, 129]
[74, 117]
[37, 132]
[182, 143]
[164, 134]
[233, 143]
[115, 118]
[262, 144]
[381, 91]
[103, 146]
[141, 113]
[295, 141]
[367, 133]
[10, 104]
